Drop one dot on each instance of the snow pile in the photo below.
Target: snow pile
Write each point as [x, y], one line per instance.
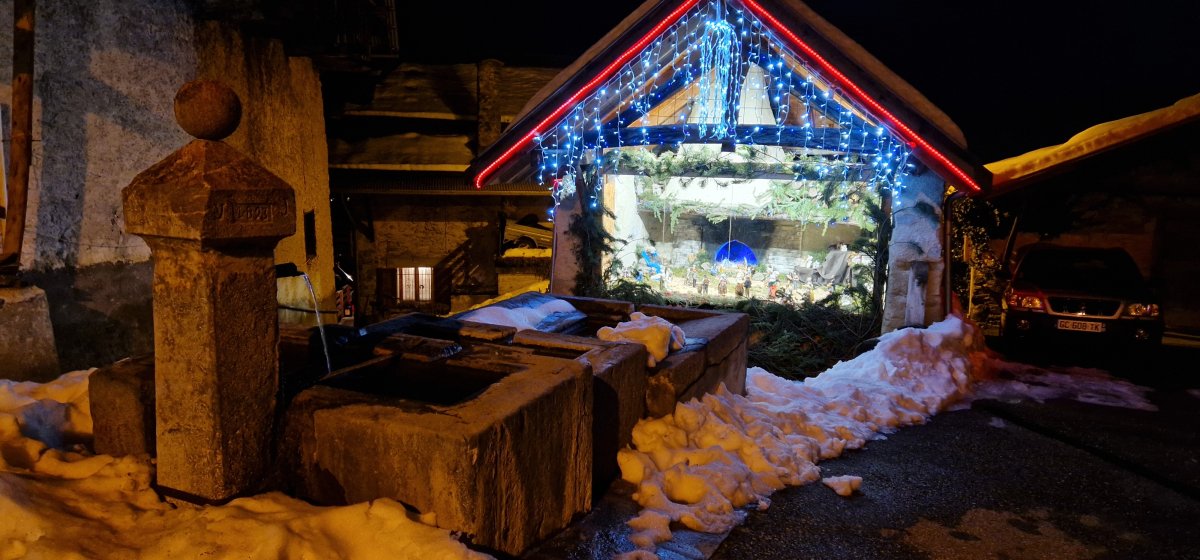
[528, 253]
[47, 412]
[844, 485]
[58, 502]
[520, 318]
[1095, 139]
[541, 287]
[658, 335]
[713, 456]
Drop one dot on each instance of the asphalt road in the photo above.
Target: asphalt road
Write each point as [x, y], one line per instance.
[1011, 481]
[1059, 479]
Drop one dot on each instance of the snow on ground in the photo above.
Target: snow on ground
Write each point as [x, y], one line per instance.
[541, 287]
[700, 466]
[520, 318]
[60, 502]
[527, 252]
[1013, 381]
[658, 335]
[844, 485]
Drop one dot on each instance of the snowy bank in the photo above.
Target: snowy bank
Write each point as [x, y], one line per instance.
[701, 465]
[527, 253]
[705, 463]
[58, 501]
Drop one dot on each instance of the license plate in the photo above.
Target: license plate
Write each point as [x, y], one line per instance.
[1082, 326]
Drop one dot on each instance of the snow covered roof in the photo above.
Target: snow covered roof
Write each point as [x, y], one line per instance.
[1008, 173]
[941, 144]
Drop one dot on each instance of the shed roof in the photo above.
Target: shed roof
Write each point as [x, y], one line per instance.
[1014, 172]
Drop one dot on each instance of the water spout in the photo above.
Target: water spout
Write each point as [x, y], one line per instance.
[289, 270]
[320, 327]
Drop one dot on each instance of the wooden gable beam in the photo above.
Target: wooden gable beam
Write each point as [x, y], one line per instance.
[831, 139]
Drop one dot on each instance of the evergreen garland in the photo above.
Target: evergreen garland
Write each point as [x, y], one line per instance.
[593, 240]
[823, 190]
[973, 224]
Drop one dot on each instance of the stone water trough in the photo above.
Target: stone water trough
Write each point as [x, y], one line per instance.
[492, 440]
[624, 389]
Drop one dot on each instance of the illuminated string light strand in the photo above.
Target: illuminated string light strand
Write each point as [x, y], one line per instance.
[688, 81]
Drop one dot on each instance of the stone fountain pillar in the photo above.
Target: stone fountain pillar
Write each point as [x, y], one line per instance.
[212, 218]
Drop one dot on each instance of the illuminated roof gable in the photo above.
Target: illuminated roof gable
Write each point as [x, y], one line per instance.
[725, 72]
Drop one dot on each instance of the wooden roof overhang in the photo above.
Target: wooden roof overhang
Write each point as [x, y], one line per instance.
[882, 97]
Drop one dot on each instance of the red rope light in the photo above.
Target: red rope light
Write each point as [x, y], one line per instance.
[861, 95]
[758, 10]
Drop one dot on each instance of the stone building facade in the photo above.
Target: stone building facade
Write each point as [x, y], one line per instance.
[105, 76]
[398, 157]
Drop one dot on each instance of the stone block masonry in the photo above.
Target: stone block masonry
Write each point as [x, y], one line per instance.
[122, 402]
[26, 338]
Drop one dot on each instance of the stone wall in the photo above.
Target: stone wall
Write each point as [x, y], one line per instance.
[105, 78]
[283, 129]
[105, 75]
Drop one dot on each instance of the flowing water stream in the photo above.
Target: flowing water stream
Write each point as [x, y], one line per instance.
[320, 328]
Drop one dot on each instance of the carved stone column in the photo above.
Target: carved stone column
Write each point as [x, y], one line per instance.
[212, 218]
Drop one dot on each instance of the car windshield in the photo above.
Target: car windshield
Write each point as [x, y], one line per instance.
[1083, 271]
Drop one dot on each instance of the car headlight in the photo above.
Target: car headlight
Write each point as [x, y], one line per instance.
[1025, 301]
[1142, 310]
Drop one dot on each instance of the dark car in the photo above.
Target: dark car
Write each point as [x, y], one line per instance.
[1075, 294]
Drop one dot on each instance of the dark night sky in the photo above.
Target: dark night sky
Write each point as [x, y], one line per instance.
[1014, 74]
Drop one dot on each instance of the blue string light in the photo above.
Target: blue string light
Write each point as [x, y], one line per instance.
[690, 86]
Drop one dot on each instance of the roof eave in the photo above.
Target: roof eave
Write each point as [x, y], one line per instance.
[649, 14]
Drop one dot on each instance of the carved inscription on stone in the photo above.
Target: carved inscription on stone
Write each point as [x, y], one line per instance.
[250, 212]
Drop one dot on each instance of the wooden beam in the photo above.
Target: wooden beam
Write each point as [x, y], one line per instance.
[788, 136]
[664, 92]
[22, 136]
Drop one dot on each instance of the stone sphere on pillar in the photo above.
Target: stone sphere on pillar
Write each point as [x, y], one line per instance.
[207, 109]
